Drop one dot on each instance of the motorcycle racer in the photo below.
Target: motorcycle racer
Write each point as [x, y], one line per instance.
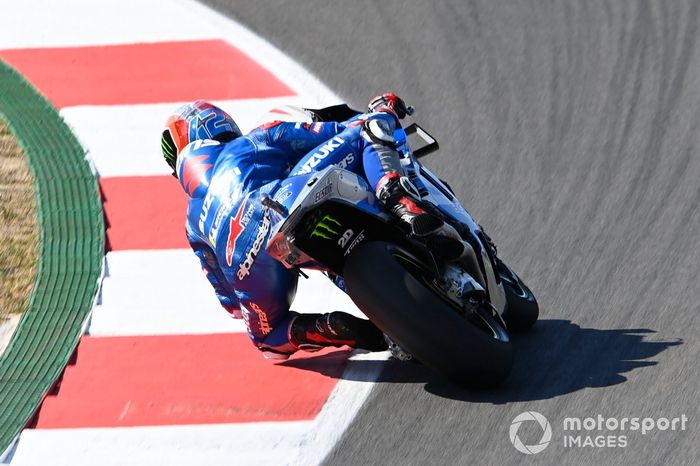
[225, 173]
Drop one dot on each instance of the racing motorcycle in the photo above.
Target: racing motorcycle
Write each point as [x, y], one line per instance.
[452, 317]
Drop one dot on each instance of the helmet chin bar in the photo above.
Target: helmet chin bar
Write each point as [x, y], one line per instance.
[167, 145]
[226, 136]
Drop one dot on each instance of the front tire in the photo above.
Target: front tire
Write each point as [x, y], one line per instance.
[522, 309]
[385, 286]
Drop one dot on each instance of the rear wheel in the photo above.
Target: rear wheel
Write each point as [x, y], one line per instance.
[522, 309]
[395, 291]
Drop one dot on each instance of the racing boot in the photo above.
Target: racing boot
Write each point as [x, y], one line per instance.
[311, 332]
[422, 218]
[398, 193]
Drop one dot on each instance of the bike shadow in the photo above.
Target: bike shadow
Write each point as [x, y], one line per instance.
[554, 358]
[557, 357]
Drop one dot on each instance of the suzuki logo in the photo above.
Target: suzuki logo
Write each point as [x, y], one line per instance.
[321, 154]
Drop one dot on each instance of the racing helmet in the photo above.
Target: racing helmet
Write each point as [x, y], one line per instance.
[192, 122]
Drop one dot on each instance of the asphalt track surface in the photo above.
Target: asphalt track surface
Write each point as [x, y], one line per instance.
[571, 131]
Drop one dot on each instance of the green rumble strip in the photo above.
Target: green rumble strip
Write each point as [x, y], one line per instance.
[71, 248]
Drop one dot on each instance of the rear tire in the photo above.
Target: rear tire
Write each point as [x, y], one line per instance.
[522, 309]
[421, 322]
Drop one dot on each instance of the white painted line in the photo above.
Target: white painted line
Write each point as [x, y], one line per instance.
[214, 444]
[54, 23]
[157, 292]
[165, 292]
[305, 84]
[319, 294]
[61, 23]
[345, 401]
[110, 321]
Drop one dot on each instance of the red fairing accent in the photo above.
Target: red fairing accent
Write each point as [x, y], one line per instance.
[411, 206]
[385, 179]
[270, 124]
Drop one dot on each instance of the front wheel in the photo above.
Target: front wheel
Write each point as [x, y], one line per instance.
[393, 289]
[522, 309]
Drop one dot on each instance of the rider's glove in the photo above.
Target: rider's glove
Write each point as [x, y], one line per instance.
[390, 103]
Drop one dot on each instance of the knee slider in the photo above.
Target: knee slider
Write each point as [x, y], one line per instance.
[278, 344]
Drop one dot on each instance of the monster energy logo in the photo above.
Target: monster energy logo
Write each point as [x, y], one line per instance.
[326, 227]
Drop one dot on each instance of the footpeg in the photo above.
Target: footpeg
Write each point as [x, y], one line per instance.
[396, 351]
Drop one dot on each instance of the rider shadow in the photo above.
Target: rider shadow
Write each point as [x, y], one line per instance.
[554, 358]
[558, 357]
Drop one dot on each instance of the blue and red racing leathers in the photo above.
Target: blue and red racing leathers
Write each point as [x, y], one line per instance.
[228, 227]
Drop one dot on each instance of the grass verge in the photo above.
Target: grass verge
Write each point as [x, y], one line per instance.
[19, 234]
